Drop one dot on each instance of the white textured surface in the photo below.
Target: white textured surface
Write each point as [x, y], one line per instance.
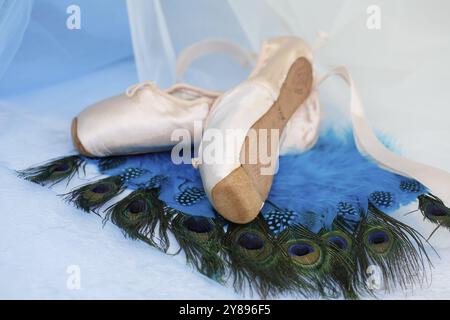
[40, 235]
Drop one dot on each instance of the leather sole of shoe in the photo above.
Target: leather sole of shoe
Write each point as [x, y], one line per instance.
[240, 196]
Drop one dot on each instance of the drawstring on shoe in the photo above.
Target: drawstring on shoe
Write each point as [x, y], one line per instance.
[131, 91]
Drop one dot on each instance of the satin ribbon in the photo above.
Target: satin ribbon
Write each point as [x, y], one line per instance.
[197, 50]
[436, 180]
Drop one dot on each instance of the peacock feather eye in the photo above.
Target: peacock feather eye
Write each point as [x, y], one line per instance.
[135, 209]
[340, 242]
[137, 206]
[92, 196]
[198, 224]
[438, 212]
[61, 170]
[100, 191]
[61, 167]
[378, 240]
[434, 210]
[101, 188]
[251, 241]
[304, 253]
[339, 239]
[197, 227]
[252, 244]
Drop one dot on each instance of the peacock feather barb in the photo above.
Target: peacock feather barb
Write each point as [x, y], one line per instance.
[109, 163]
[54, 171]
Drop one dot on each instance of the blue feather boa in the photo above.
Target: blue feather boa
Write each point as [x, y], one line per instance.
[313, 188]
[334, 179]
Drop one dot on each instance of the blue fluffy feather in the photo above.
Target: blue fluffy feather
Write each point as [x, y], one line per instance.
[333, 173]
[311, 188]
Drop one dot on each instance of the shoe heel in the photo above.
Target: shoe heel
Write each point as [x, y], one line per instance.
[236, 198]
[76, 141]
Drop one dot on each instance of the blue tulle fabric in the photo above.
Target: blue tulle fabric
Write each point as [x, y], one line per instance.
[37, 49]
[14, 19]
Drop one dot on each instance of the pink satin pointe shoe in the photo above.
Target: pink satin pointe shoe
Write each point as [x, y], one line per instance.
[141, 120]
[278, 87]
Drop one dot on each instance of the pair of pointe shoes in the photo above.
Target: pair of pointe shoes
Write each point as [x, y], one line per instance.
[277, 98]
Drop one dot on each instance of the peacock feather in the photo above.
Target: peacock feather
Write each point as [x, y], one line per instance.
[91, 197]
[139, 215]
[435, 211]
[343, 269]
[258, 263]
[318, 262]
[393, 247]
[54, 171]
[200, 238]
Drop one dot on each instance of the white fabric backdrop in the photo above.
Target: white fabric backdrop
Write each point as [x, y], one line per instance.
[401, 69]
